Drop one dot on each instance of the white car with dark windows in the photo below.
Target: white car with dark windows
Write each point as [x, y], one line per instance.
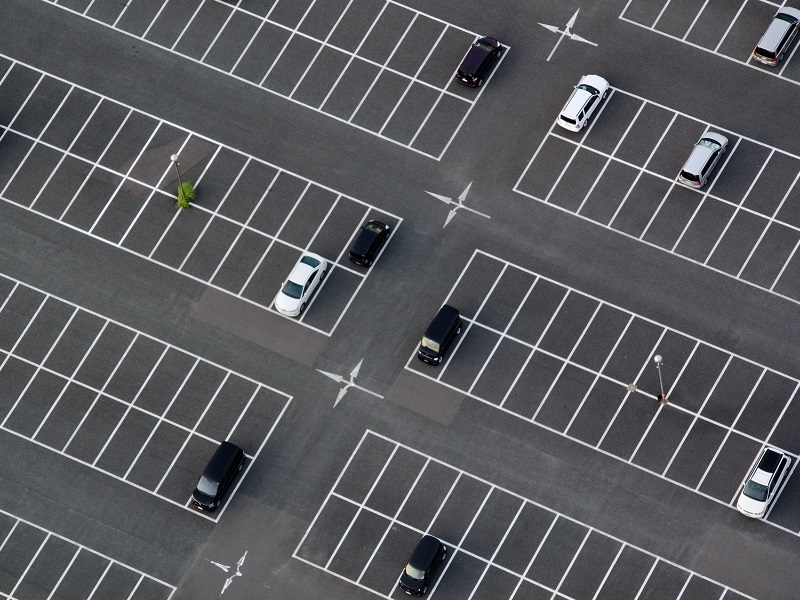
[301, 284]
[583, 102]
[771, 468]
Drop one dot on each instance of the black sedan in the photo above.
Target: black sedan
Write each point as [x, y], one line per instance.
[478, 61]
[369, 242]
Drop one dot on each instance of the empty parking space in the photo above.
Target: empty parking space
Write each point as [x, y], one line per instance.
[377, 65]
[621, 173]
[105, 169]
[728, 29]
[119, 401]
[37, 563]
[500, 545]
[583, 368]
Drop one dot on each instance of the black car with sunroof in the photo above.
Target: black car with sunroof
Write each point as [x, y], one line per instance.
[478, 61]
[422, 566]
[370, 240]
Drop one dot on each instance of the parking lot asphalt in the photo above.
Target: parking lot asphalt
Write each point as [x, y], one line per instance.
[135, 336]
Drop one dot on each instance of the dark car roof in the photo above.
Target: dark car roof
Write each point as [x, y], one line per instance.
[424, 553]
[367, 235]
[476, 55]
[442, 321]
[770, 460]
[226, 454]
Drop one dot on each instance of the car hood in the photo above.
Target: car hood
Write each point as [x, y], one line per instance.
[751, 507]
[410, 583]
[202, 498]
[596, 82]
[287, 303]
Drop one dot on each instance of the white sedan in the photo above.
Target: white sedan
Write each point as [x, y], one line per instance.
[583, 102]
[304, 279]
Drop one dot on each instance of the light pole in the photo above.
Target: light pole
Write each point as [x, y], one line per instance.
[174, 159]
[662, 397]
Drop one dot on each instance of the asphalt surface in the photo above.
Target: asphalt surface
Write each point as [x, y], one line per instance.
[134, 337]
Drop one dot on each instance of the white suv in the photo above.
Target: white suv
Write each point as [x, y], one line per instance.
[701, 161]
[771, 468]
[583, 102]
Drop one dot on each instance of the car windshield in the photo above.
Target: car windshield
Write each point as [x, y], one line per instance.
[207, 487]
[484, 46]
[373, 227]
[587, 88]
[292, 289]
[430, 344]
[756, 491]
[414, 573]
[709, 144]
[310, 261]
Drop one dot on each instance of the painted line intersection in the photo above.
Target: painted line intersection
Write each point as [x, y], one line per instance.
[120, 401]
[38, 563]
[500, 544]
[620, 174]
[565, 361]
[107, 171]
[407, 57]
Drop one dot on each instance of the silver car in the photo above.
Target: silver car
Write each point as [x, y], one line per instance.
[702, 160]
[778, 36]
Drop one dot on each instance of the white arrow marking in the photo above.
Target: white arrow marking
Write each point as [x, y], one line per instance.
[216, 564]
[566, 33]
[350, 383]
[237, 574]
[457, 205]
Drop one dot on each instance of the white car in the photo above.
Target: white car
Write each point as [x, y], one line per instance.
[585, 99]
[296, 291]
[771, 468]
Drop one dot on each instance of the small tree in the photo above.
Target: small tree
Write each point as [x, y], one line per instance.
[186, 193]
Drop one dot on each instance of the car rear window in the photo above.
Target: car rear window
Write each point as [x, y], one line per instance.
[785, 17]
[568, 120]
[689, 176]
[484, 46]
[311, 262]
[709, 144]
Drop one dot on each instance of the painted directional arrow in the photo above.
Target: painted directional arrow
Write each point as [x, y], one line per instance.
[457, 205]
[350, 383]
[566, 33]
[237, 574]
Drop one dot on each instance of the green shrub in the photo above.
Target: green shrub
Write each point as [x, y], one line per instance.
[186, 193]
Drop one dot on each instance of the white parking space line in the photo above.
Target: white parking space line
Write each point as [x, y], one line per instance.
[322, 43]
[627, 392]
[485, 557]
[24, 528]
[161, 191]
[739, 206]
[252, 447]
[739, 59]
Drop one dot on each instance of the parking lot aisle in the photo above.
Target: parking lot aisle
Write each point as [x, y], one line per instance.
[37, 563]
[581, 367]
[107, 172]
[377, 65]
[120, 401]
[621, 174]
[500, 544]
[727, 29]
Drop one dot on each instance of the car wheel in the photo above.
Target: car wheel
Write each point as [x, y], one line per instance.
[302, 307]
[322, 275]
[458, 330]
[424, 590]
[605, 94]
[480, 82]
[499, 53]
[241, 466]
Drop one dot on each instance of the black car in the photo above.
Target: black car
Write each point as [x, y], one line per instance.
[221, 470]
[444, 328]
[480, 58]
[369, 241]
[422, 566]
